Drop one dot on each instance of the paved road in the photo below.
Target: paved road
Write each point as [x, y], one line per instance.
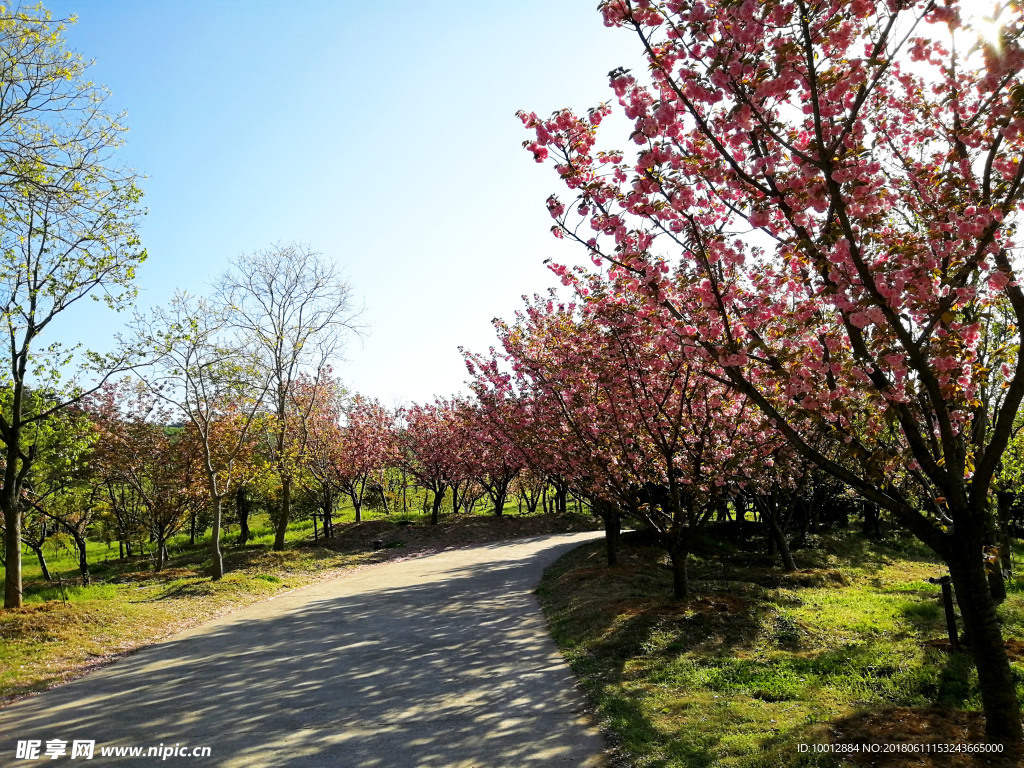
[437, 662]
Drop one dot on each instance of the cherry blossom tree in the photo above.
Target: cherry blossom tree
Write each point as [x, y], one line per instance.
[823, 202]
[350, 443]
[523, 406]
[323, 402]
[134, 456]
[644, 426]
[491, 459]
[430, 443]
[368, 447]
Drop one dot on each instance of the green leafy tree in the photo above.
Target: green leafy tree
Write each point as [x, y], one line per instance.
[59, 485]
[67, 231]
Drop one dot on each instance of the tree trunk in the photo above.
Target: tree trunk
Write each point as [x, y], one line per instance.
[996, 585]
[384, 495]
[870, 524]
[159, 565]
[83, 562]
[242, 505]
[993, 563]
[357, 505]
[532, 500]
[722, 512]
[192, 529]
[781, 543]
[12, 542]
[435, 513]
[499, 501]
[679, 555]
[741, 511]
[42, 560]
[998, 692]
[243, 530]
[10, 495]
[216, 561]
[612, 528]
[286, 512]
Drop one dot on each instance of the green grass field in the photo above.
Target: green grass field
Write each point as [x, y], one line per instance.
[758, 661]
[104, 562]
[65, 628]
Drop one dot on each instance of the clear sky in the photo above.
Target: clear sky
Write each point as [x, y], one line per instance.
[383, 134]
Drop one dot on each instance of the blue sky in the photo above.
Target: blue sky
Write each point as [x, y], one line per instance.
[383, 134]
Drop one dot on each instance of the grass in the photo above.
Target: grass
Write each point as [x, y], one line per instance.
[758, 662]
[105, 564]
[65, 629]
[51, 639]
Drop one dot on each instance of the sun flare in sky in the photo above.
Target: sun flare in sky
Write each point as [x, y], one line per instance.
[986, 18]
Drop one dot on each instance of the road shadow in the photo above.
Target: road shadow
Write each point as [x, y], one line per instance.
[450, 666]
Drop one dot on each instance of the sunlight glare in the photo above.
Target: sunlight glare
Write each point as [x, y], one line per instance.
[986, 19]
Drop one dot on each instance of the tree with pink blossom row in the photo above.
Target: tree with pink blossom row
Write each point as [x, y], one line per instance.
[349, 442]
[823, 203]
[492, 459]
[629, 413]
[137, 463]
[432, 442]
[368, 445]
[322, 401]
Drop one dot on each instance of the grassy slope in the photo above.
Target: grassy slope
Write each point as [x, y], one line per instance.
[51, 640]
[758, 662]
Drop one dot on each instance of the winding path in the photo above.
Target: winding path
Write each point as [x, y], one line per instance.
[436, 662]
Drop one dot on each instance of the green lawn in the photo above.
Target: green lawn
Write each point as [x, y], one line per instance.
[65, 628]
[758, 662]
[104, 562]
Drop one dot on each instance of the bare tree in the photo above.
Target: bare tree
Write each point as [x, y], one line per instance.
[292, 307]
